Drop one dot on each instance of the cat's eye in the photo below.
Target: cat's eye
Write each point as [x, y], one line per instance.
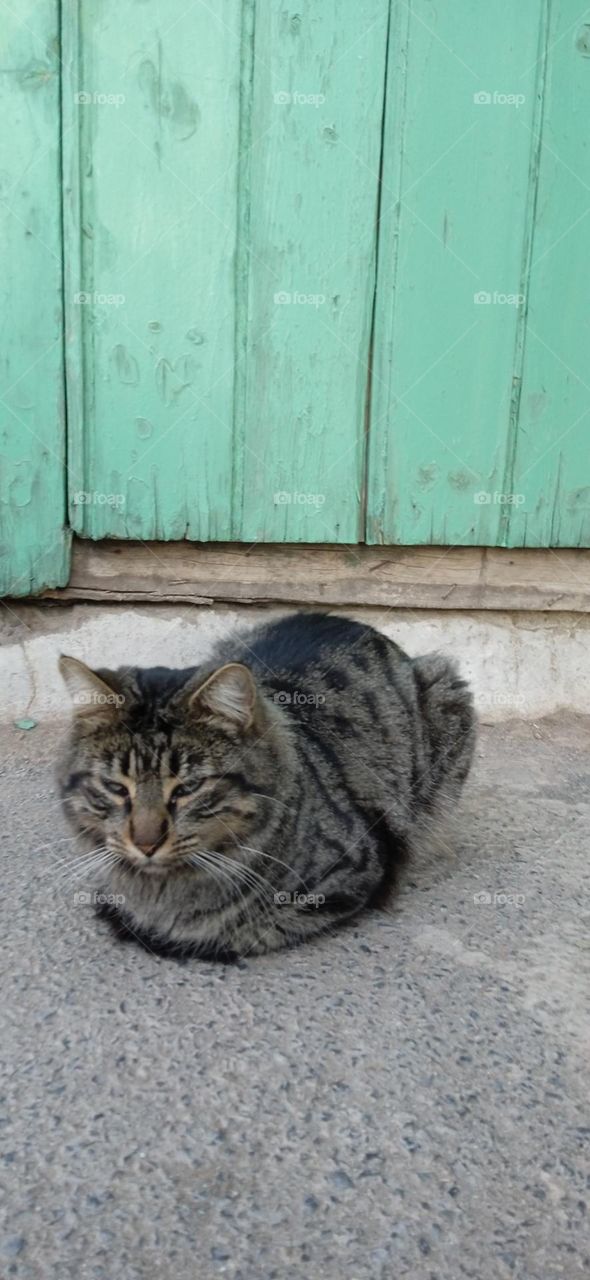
[179, 793]
[117, 788]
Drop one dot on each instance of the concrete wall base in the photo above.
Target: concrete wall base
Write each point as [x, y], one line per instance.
[521, 665]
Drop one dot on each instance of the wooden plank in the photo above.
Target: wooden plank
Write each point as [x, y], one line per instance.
[550, 477]
[457, 202]
[151, 119]
[400, 577]
[307, 270]
[34, 546]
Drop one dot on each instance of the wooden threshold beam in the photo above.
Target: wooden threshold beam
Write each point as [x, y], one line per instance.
[400, 577]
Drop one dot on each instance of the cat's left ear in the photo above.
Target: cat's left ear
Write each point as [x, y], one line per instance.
[90, 693]
[228, 695]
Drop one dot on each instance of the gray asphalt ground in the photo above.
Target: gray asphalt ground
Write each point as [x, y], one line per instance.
[407, 1098]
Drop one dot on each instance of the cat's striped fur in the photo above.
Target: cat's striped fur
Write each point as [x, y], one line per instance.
[260, 799]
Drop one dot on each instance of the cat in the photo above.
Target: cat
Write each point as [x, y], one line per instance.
[264, 797]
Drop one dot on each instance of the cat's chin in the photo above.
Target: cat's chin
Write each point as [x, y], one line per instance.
[157, 868]
[148, 869]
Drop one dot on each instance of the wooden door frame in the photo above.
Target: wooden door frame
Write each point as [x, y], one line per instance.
[328, 576]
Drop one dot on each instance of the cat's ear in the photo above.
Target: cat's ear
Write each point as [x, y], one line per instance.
[229, 695]
[90, 694]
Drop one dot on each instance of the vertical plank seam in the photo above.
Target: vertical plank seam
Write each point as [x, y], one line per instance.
[61, 182]
[396, 90]
[364, 477]
[505, 521]
[73, 345]
[242, 263]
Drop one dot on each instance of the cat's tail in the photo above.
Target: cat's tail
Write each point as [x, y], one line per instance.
[450, 725]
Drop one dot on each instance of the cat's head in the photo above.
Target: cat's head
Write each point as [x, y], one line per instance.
[161, 764]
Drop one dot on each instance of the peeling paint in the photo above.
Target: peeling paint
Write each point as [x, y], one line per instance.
[144, 428]
[126, 366]
[461, 480]
[170, 102]
[428, 475]
[172, 378]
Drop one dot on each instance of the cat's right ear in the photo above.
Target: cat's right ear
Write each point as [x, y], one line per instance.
[91, 695]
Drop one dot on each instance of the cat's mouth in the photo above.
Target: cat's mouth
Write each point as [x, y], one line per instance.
[162, 863]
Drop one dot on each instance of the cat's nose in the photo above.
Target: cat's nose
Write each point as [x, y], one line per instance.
[148, 837]
[150, 849]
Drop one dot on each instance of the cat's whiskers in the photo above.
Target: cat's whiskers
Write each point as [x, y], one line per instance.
[53, 844]
[261, 854]
[79, 866]
[100, 862]
[202, 863]
[241, 868]
[273, 800]
[67, 862]
[236, 874]
[262, 891]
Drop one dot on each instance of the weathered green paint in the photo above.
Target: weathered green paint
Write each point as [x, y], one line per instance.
[239, 171]
[307, 251]
[151, 174]
[34, 545]
[551, 470]
[458, 207]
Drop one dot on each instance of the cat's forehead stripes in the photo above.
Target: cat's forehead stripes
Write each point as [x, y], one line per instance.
[152, 758]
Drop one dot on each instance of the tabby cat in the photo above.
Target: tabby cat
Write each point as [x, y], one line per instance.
[257, 800]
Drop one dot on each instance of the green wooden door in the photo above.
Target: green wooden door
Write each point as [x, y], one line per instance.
[321, 279]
